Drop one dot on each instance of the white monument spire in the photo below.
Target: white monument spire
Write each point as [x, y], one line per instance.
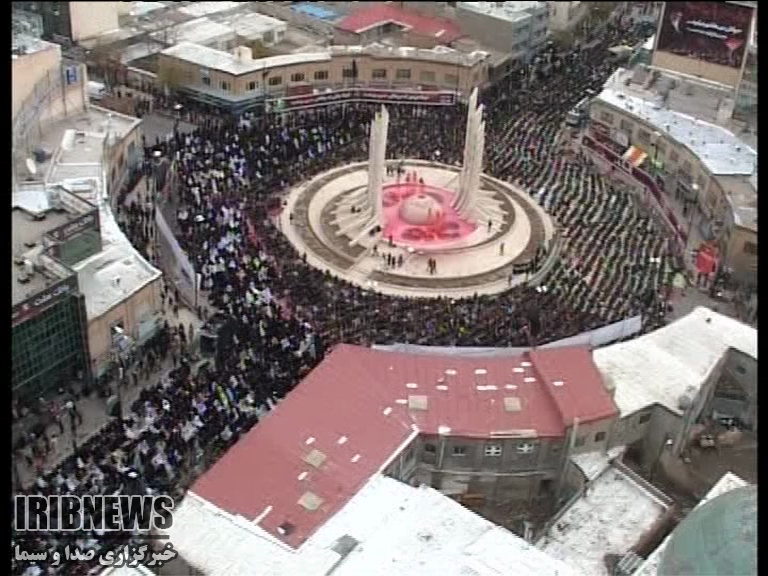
[472, 167]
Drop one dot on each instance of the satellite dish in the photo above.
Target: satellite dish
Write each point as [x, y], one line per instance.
[31, 166]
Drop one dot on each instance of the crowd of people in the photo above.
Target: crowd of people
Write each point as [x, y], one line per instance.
[284, 313]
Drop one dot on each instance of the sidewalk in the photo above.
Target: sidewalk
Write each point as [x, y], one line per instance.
[94, 410]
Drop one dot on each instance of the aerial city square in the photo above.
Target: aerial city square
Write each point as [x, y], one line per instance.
[384, 288]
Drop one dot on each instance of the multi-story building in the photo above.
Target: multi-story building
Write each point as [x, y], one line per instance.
[236, 81]
[565, 15]
[516, 28]
[74, 21]
[673, 136]
[49, 322]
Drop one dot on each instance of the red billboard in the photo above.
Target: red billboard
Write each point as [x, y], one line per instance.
[713, 32]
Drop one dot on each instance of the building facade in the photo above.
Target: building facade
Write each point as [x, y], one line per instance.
[702, 165]
[516, 28]
[74, 21]
[236, 81]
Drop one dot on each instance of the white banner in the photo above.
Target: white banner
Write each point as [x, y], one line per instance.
[174, 260]
[592, 339]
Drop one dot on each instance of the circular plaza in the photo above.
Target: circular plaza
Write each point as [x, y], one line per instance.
[423, 247]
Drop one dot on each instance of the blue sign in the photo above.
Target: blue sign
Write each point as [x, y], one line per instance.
[71, 73]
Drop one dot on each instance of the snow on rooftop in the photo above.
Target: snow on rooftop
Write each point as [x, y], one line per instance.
[142, 8]
[117, 272]
[511, 11]
[197, 9]
[387, 528]
[608, 519]
[230, 64]
[718, 148]
[253, 24]
[200, 31]
[728, 482]
[663, 365]
[592, 464]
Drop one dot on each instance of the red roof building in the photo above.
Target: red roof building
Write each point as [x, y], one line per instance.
[368, 19]
[357, 411]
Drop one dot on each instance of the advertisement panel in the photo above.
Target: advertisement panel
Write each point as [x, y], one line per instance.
[713, 32]
[88, 221]
[439, 98]
[45, 299]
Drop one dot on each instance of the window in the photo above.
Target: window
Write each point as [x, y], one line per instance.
[378, 73]
[661, 148]
[275, 80]
[225, 85]
[644, 136]
[403, 74]
[686, 167]
[347, 73]
[606, 117]
[493, 450]
[674, 156]
[429, 448]
[427, 76]
[750, 248]
[206, 81]
[451, 80]
[740, 369]
[251, 86]
[297, 77]
[321, 75]
[626, 125]
[600, 436]
[579, 441]
[459, 450]
[644, 418]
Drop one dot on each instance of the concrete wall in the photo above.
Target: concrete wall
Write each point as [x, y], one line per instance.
[422, 72]
[29, 69]
[632, 427]
[743, 262]
[93, 18]
[130, 312]
[565, 15]
[526, 34]
[594, 436]
[722, 74]
[460, 466]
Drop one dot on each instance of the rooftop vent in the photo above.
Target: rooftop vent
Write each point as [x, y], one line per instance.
[512, 404]
[315, 458]
[310, 501]
[417, 402]
[286, 529]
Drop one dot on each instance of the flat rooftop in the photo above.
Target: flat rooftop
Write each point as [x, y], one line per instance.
[198, 31]
[228, 63]
[77, 143]
[664, 365]
[687, 118]
[610, 518]
[510, 11]
[25, 44]
[24, 233]
[198, 9]
[252, 24]
[728, 482]
[387, 528]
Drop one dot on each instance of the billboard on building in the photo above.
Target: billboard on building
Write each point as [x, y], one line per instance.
[711, 32]
[433, 98]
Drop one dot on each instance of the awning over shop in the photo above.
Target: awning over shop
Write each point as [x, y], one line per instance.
[635, 156]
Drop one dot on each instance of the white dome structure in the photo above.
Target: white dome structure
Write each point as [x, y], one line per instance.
[421, 210]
